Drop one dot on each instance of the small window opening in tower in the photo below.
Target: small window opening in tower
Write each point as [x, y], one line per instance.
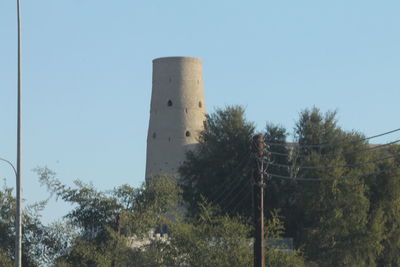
[169, 139]
[200, 104]
[170, 80]
[154, 135]
[169, 103]
[186, 110]
[187, 134]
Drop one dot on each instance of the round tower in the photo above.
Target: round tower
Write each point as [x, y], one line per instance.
[177, 113]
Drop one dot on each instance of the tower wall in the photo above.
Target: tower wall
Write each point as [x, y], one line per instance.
[177, 113]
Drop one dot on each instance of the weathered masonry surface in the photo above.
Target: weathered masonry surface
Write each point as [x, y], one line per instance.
[177, 113]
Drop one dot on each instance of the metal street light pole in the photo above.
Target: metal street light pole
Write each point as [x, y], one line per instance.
[18, 217]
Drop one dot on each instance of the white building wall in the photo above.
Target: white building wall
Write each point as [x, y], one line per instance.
[177, 113]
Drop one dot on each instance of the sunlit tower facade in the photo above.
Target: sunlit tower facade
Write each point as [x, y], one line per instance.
[177, 113]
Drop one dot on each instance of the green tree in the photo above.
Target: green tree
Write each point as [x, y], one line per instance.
[220, 168]
[104, 221]
[208, 239]
[38, 242]
[384, 195]
[279, 193]
[217, 240]
[342, 222]
[333, 216]
[5, 259]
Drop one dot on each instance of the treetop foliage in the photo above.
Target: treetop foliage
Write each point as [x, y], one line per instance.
[350, 222]
[126, 214]
[203, 218]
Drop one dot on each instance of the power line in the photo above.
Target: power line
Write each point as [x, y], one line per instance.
[343, 153]
[233, 199]
[233, 189]
[335, 166]
[241, 201]
[221, 197]
[217, 196]
[339, 143]
[333, 178]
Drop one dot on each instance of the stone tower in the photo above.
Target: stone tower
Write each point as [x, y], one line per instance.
[177, 113]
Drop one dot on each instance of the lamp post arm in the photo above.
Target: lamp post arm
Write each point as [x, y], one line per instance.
[12, 166]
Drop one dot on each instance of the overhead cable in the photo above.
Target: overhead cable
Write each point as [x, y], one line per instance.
[335, 166]
[239, 183]
[233, 199]
[216, 198]
[332, 178]
[343, 153]
[241, 200]
[339, 143]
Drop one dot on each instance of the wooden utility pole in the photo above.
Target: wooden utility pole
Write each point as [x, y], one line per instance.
[259, 146]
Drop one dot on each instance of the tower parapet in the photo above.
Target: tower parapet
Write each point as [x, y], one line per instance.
[177, 113]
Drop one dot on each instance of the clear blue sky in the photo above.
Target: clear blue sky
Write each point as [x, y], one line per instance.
[87, 74]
